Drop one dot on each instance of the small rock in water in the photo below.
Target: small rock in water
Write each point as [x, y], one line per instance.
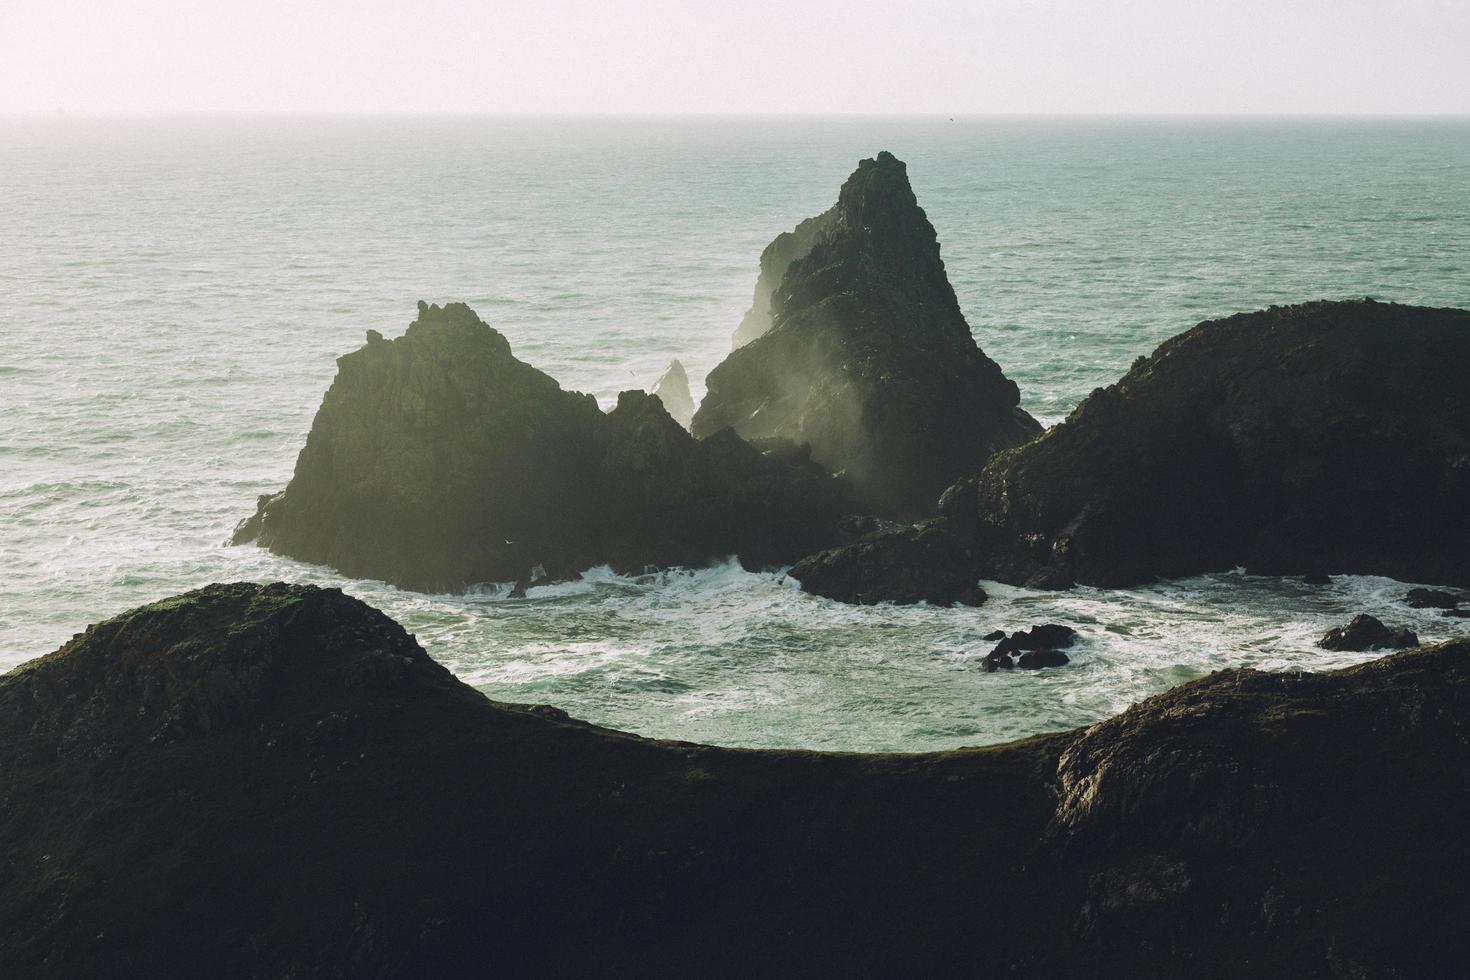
[1317, 579]
[1432, 599]
[991, 637]
[1048, 636]
[996, 659]
[1457, 613]
[1367, 633]
[1036, 659]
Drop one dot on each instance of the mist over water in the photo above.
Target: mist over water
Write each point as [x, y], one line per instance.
[177, 291]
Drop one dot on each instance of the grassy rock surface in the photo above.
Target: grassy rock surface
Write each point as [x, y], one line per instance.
[868, 358]
[276, 781]
[439, 460]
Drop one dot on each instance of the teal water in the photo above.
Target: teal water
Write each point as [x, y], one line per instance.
[176, 291]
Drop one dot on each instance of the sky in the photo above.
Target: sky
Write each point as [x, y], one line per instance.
[737, 56]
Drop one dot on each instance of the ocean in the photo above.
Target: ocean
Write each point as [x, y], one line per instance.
[176, 291]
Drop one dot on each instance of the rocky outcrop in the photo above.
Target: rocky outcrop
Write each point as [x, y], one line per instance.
[672, 388]
[785, 249]
[1030, 649]
[1366, 632]
[1330, 437]
[904, 565]
[252, 781]
[868, 358]
[438, 460]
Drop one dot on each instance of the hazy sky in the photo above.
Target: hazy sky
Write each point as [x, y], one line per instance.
[939, 56]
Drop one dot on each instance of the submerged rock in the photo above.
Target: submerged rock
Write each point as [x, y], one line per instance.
[1366, 632]
[184, 783]
[1327, 435]
[672, 388]
[438, 460]
[868, 358]
[1433, 599]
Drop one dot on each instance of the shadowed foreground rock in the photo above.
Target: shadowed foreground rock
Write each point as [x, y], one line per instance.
[1312, 439]
[438, 460]
[275, 781]
[867, 357]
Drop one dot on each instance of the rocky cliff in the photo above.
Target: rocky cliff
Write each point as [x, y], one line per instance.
[1314, 439]
[672, 388]
[777, 257]
[438, 460]
[276, 781]
[868, 358]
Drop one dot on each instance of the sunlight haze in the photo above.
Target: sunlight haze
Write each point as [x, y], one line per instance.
[758, 56]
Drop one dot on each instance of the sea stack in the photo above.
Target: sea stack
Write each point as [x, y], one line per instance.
[438, 460]
[672, 388]
[867, 357]
[1323, 438]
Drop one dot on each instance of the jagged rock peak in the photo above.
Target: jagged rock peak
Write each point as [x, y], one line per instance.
[438, 460]
[868, 358]
[672, 388]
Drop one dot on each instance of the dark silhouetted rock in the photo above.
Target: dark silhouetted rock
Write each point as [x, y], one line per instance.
[1366, 632]
[994, 635]
[1457, 613]
[1326, 435]
[868, 358]
[672, 388]
[1037, 659]
[1243, 442]
[1317, 579]
[903, 566]
[276, 781]
[1432, 599]
[785, 249]
[439, 460]
[1050, 636]
[997, 659]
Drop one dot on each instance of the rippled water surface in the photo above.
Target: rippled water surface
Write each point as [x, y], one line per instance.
[176, 291]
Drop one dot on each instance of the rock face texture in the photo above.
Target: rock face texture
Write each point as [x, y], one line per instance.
[672, 388]
[1322, 438]
[868, 358]
[276, 781]
[439, 460]
[775, 260]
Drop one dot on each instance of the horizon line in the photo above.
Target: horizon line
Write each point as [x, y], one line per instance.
[64, 112]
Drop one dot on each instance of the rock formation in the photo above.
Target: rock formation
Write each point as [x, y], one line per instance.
[672, 388]
[775, 260]
[439, 460]
[906, 565]
[868, 358]
[1321, 438]
[1366, 632]
[272, 781]
[1032, 649]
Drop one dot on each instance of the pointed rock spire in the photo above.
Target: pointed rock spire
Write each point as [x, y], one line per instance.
[867, 357]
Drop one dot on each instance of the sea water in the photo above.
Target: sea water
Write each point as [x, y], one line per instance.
[175, 291]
